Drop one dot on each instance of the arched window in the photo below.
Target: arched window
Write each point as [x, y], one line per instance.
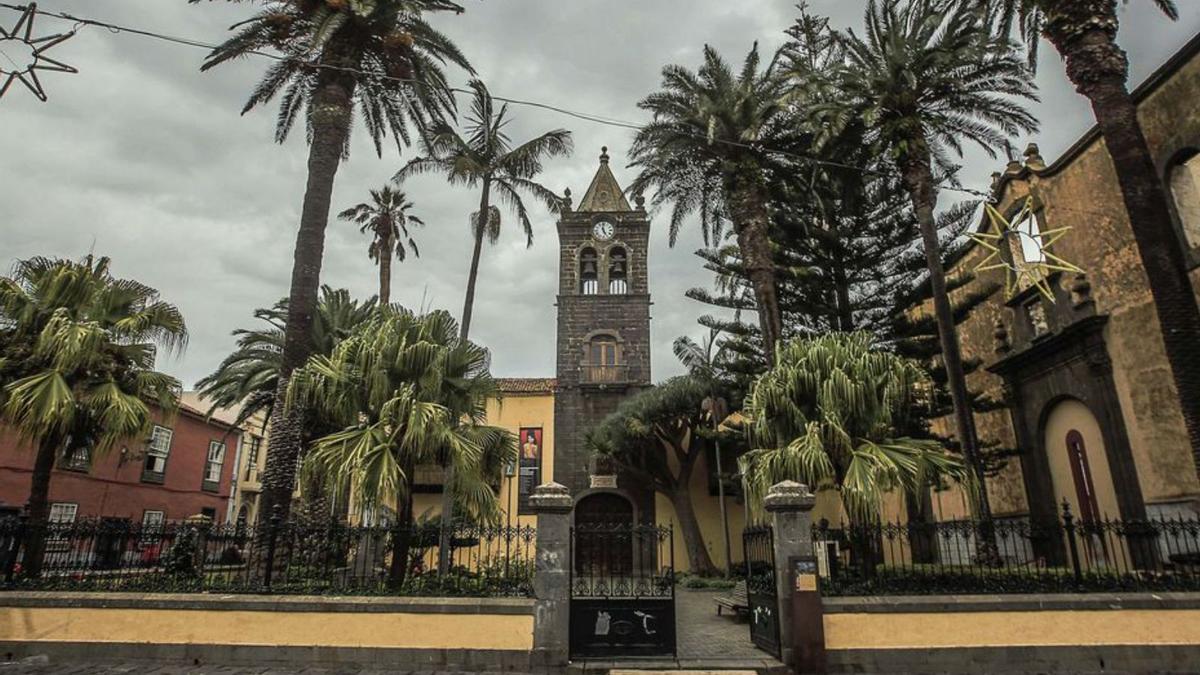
[602, 361]
[1184, 178]
[589, 279]
[618, 271]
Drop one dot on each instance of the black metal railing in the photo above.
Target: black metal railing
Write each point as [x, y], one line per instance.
[1009, 556]
[278, 558]
[622, 561]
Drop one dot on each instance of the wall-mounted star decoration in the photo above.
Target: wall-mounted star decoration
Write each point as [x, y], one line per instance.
[22, 55]
[1020, 234]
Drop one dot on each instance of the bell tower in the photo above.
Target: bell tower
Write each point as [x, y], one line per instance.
[603, 328]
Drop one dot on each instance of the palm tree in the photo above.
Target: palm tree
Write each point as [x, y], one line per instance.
[1085, 33]
[709, 149]
[927, 77]
[379, 56]
[486, 159]
[248, 378]
[77, 352]
[404, 390]
[387, 218]
[827, 415]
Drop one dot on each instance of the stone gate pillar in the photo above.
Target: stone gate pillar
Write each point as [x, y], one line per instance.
[790, 505]
[551, 582]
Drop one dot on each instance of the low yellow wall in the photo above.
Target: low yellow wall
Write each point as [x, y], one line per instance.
[235, 627]
[930, 630]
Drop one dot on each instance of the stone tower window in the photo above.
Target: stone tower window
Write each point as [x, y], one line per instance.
[602, 361]
[1184, 180]
[589, 279]
[618, 271]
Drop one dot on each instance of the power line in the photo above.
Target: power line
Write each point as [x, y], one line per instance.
[80, 22]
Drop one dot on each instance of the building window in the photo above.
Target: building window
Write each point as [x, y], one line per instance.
[618, 271]
[212, 466]
[76, 459]
[603, 362]
[210, 513]
[589, 278]
[253, 449]
[63, 513]
[157, 451]
[1184, 180]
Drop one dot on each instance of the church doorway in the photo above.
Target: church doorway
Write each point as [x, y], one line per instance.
[603, 542]
[1079, 470]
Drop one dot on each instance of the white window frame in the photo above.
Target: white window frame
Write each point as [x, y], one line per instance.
[213, 465]
[158, 451]
[59, 508]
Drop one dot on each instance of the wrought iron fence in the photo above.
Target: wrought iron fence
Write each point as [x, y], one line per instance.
[1009, 556]
[622, 561]
[279, 558]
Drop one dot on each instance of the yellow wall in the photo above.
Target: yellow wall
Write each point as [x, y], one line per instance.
[920, 630]
[1073, 415]
[225, 627]
[708, 513]
[513, 412]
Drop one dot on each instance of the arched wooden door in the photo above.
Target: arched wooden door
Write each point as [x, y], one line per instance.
[603, 537]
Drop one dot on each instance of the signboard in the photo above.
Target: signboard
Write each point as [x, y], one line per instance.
[604, 482]
[529, 466]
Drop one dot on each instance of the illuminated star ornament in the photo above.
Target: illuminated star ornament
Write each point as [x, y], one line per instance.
[1028, 260]
[22, 55]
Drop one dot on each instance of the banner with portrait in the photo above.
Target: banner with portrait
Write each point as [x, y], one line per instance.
[529, 466]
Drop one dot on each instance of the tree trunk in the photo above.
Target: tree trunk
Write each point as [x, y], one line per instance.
[752, 221]
[39, 506]
[385, 271]
[918, 177]
[330, 119]
[1084, 32]
[445, 554]
[473, 275]
[699, 561]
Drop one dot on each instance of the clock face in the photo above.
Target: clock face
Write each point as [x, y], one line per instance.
[603, 230]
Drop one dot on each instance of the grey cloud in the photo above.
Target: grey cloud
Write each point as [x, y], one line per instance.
[149, 158]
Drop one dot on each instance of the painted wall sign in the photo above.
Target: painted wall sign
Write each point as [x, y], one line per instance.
[529, 466]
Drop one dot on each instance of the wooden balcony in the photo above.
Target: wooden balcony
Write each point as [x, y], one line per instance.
[600, 375]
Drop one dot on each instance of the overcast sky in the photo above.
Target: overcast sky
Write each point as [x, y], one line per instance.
[141, 158]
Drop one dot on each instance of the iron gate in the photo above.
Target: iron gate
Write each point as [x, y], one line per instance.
[758, 544]
[622, 590]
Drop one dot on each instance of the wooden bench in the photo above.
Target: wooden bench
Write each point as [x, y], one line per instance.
[736, 602]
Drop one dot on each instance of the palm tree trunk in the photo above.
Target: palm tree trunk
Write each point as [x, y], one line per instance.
[918, 178]
[39, 506]
[385, 271]
[1084, 32]
[330, 119]
[445, 554]
[752, 220]
[473, 275]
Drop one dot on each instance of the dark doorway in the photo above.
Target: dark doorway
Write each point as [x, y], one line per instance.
[602, 546]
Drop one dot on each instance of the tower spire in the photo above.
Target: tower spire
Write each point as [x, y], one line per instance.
[604, 194]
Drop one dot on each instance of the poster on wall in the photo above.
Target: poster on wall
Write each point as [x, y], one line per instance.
[529, 467]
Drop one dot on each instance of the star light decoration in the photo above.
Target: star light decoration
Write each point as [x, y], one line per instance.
[22, 55]
[1019, 272]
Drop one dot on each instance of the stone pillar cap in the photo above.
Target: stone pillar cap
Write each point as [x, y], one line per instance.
[551, 498]
[789, 496]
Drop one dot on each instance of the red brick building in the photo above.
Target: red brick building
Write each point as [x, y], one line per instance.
[184, 468]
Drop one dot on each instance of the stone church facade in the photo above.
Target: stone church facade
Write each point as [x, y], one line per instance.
[1091, 403]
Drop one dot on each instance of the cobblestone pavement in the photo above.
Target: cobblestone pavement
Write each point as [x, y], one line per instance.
[703, 635]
